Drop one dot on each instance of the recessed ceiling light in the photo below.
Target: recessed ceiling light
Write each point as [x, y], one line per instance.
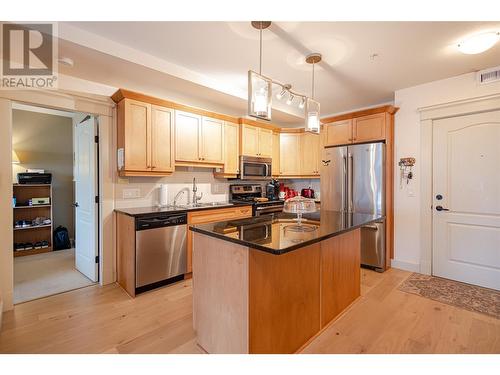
[479, 43]
[66, 61]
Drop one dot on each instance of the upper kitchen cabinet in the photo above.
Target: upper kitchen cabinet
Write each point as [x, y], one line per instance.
[231, 151]
[145, 139]
[255, 139]
[310, 152]
[368, 128]
[290, 154]
[338, 133]
[199, 140]
[276, 154]
[369, 125]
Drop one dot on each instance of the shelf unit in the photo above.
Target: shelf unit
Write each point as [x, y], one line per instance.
[22, 211]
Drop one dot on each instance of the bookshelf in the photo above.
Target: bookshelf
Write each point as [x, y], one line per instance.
[23, 211]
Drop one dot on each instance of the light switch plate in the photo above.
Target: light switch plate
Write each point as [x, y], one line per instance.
[131, 193]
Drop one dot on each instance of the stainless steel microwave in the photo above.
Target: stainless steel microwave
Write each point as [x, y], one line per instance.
[255, 168]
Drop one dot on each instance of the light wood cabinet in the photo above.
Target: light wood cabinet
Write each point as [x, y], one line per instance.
[212, 140]
[368, 128]
[265, 143]
[249, 140]
[289, 154]
[212, 216]
[187, 136]
[276, 155]
[256, 141]
[145, 137]
[162, 139]
[310, 154]
[338, 133]
[199, 140]
[231, 151]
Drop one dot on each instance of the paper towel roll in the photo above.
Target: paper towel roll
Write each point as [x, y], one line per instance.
[163, 198]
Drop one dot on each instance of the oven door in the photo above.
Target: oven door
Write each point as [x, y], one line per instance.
[255, 168]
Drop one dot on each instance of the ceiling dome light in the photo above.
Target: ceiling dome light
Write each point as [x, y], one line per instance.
[479, 43]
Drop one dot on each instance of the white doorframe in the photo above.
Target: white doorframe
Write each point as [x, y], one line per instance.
[104, 109]
[427, 117]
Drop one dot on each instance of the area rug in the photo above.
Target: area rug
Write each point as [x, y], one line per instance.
[454, 293]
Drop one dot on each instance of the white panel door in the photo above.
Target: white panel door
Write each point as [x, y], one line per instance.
[466, 220]
[86, 248]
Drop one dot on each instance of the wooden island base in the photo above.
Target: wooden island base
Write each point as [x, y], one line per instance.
[250, 301]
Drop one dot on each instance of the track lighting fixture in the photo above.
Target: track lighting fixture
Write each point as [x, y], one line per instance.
[290, 98]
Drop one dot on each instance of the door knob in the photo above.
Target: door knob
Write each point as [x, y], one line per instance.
[441, 208]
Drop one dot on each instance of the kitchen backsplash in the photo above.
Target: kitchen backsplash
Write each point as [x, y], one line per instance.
[144, 191]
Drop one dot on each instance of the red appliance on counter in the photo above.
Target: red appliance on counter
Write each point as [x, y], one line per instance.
[307, 193]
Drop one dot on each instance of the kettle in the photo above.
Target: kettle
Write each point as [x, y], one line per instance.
[307, 193]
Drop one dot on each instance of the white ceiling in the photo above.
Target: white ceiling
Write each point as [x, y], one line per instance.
[217, 56]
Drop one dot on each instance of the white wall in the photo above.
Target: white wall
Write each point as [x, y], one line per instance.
[407, 243]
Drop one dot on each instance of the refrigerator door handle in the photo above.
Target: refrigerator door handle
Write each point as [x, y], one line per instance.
[344, 187]
[351, 181]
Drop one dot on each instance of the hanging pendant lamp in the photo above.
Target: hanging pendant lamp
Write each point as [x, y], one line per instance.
[259, 87]
[312, 107]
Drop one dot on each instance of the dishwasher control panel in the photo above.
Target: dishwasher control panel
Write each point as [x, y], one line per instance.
[159, 221]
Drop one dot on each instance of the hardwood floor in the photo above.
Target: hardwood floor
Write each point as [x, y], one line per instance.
[106, 320]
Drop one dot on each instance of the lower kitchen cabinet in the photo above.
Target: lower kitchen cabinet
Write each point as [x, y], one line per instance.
[212, 216]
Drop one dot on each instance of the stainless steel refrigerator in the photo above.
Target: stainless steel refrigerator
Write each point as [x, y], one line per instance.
[353, 180]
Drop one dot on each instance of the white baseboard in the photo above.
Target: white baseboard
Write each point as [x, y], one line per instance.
[407, 266]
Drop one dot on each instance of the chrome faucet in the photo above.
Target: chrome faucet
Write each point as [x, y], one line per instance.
[179, 193]
[196, 198]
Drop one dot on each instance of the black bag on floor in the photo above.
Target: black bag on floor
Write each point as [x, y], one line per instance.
[61, 238]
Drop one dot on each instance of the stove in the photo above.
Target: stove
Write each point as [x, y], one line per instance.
[248, 193]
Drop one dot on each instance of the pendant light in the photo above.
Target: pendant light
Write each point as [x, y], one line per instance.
[259, 87]
[312, 106]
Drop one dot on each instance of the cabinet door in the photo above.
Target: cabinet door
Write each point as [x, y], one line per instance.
[187, 136]
[265, 143]
[212, 140]
[290, 154]
[310, 154]
[276, 155]
[231, 142]
[369, 128]
[249, 140]
[338, 133]
[136, 128]
[162, 139]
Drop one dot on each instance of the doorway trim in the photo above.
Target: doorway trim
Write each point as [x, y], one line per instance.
[103, 108]
[427, 117]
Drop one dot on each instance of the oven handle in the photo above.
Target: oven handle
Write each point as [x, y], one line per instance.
[269, 208]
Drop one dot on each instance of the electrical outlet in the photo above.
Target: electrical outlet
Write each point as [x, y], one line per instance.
[131, 193]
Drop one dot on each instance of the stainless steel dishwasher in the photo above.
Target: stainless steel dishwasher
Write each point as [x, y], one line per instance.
[160, 250]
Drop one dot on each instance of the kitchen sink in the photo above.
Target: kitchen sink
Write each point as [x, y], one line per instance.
[208, 204]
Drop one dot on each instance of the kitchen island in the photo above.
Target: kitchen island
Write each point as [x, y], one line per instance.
[261, 286]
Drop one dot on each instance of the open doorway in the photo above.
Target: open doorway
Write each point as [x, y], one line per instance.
[55, 169]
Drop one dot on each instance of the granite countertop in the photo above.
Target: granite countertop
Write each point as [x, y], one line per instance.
[141, 211]
[275, 233]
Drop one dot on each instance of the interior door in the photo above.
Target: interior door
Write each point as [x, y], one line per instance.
[466, 199]
[87, 247]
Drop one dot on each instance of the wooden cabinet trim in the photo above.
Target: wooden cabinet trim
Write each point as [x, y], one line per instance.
[365, 112]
